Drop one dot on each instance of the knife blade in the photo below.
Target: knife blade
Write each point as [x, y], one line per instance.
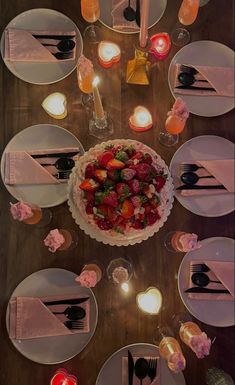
[205, 290]
[74, 301]
[196, 88]
[54, 37]
[130, 368]
[56, 155]
[195, 187]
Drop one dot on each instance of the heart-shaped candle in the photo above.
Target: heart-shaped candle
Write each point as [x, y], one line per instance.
[150, 301]
[108, 53]
[55, 105]
[141, 120]
[160, 45]
[62, 377]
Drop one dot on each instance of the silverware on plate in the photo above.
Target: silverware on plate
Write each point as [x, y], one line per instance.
[195, 187]
[205, 290]
[62, 174]
[56, 155]
[152, 369]
[72, 301]
[73, 325]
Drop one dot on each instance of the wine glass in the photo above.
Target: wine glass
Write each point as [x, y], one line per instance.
[85, 76]
[187, 15]
[91, 12]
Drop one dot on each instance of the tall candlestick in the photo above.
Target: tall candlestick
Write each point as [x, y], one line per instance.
[99, 111]
[144, 21]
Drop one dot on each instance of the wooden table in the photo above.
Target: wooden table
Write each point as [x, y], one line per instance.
[22, 252]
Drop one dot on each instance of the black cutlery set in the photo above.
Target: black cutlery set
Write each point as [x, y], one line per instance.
[130, 14]
[75, 314]
[142, 368]
[64, 163]
[200, 279]
[65, 45]
[189, 177]
[188, 77]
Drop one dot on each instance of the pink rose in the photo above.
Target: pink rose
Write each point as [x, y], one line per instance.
[87, 278]
[189, 242]
[54, 240]
[201, 345]
[179, 109]
[85, 66]
[120, 275]
[21, 211]
[177, 362]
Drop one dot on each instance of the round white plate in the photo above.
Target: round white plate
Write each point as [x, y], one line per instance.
[54, 350]
[43, 20]
[209, 53]
[215, 313]
[111, 372]
[203, 148]
[40, 136]
[156, 10]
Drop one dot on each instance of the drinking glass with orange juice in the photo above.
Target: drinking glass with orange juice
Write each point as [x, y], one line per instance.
[90, 10]
[187, 15]
[85, 77]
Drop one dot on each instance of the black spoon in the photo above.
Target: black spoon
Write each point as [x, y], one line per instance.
[73, 312]
[129, 12]
[186, 78]
[62, 164]
[192, 178]
[64, 45]
[201, 279]
[141, 369]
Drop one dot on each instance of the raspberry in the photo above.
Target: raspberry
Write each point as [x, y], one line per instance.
[104, 224]
[90, 171]
[151, 218]
[160, 182]
[122, 189]
[134, 185]
[89, 208]
[144, 171]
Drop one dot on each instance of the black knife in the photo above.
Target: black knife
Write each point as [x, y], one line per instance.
[54, 37]
[56, 155]
[196, 187]
[130, 368]
[137, 13]
[205, 290]
[196, 88]
[75, 301]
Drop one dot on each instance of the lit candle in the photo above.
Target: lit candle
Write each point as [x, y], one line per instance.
[108, 53]
[160, 45]
[55, 105]
[125, 287]
[99, 111]
[141, 120]
[144, 21]
[150, 301]
[62, 377]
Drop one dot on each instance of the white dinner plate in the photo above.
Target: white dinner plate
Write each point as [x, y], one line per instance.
[40, 136]
[111, 372]
[203, 148]
[43, 20]
[54, 350]
[204, 52]
[215, 313]
[156, 10]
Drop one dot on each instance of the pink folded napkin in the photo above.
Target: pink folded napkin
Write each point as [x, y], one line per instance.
[136, 381]
[219, 78]
[21, 45]
[219, 271]
[119, 21]
[223, 172]
[30, 318]
[21, 168]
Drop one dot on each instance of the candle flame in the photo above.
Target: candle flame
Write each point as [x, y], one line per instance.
[96, 81]
[125, 287]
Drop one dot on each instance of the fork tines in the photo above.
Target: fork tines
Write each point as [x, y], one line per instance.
[152, 369]
[74, 324]
[199, 268]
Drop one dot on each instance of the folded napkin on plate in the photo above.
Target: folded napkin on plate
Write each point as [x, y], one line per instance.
[219, 271]
[223, 173]
[21, 168]
[119, 21]
[136, 381]
[21, 45]
[221, 79]
[30, 318]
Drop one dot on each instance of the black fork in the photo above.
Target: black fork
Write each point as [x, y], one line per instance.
[62, 174]
[199, 268]
[190, 167]
[72, 325]
[152, 369]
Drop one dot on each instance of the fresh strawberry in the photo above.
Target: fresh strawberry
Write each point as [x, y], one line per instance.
[104, 158]
[90, 197]
[122, 189]
[127, 209]
[138, 225]
[151, 218]
[134, 185]
[111, 199]
[114, 175]
[130, 150]
[102, 211]
[111, 214]
[127, 174]
[89, 208]
[115, 164]
[155, 201]
[138, 200]
[138, 155]
[90, 170]
[148, 159]
[104, 224]
[160, 182]
[122, 156]
[147, 208]
[89, 185]
[101, 175]
[115, 149]
[144, 171]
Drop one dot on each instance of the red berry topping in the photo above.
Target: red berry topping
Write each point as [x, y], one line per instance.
[89, 185]
[104, 224]
[160, 182]
[122, 189]
[138, 225]
[148, 159]
[101, 175]
[151, 218]
[89, 208]
[114, 175]
[127, 174]
[90, 197]
[90, 171]
[104, 158]
[144, 171]
[115, 164]
[127, 209]
[111, 199]
[134, 185]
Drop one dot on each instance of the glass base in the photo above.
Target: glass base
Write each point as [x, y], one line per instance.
[45, 220]
[167, 139]
[74, 240]
[180, 37]
[203, 2]
[101, 128]
[88, 102]
[168, 243]
[91, 34]
[180, 318]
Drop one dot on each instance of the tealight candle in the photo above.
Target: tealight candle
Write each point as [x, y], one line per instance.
[141, 120]
[150, 301]
[108, 53]
[62, 377]
[99, 111]
[55, 105]
[160, 45]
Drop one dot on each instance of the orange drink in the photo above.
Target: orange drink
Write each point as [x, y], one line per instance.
[90, 10]
[85, 75]
[188, 11]
[170, 350]
[174, 124]
[188, 330]
[36, 217]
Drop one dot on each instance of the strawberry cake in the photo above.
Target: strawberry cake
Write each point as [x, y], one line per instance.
[120, 192]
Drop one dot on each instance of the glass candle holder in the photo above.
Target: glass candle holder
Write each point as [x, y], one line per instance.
[102, 127]
[119, 272]
[180, 241]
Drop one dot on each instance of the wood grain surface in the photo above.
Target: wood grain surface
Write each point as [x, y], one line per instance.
[22, 251]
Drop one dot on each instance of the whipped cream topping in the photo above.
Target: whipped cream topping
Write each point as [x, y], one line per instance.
[21, 211]
[54, 240]
[179, 109]
[201, 345]
[189, 242]
[120, 275]
[85, 66]
[87, 278]
[177, 362]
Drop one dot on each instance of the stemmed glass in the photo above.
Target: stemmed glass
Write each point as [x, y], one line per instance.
[187, 15]
[91, 12]
[85, 76]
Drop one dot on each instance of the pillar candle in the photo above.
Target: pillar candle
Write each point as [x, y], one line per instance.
[99, 111]
[144, 20]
